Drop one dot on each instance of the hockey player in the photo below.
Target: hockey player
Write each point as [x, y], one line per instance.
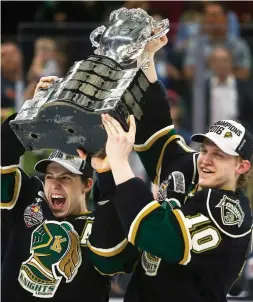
[195, 236]
[45, 228]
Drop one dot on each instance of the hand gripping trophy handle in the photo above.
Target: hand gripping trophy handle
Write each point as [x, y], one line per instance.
[165, 26]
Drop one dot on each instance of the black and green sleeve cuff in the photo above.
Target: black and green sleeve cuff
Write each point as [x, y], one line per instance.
[131, 197]
[107, 237]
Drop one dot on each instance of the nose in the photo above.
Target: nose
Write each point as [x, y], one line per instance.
[206, 158]
[56, 184]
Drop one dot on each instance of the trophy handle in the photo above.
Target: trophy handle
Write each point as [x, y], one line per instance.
[95, 33]
[162, 24]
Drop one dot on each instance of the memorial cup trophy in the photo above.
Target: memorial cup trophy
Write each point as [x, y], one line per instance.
[67, 115]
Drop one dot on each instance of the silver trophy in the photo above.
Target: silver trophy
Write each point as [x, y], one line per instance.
[67, 115]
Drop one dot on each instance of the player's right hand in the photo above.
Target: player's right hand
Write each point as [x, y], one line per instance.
[45, 83]
[153, 46]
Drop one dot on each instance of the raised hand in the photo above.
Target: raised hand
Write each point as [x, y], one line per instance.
[153, 46]
[45, 82]
[119, 143]
[118, 147]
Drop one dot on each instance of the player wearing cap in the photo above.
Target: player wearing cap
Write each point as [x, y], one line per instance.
[45, 229]
[194, 243]
[196, 234]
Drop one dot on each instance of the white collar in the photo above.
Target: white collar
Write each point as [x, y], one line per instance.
[230, 81]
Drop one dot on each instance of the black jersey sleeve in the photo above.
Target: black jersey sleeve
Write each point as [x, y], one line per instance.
[157, 142]
[109, 248]
[16, 186]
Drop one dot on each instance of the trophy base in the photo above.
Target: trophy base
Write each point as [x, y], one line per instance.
[63, 126]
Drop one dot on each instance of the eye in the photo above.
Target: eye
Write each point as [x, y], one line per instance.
[203, 151]
[219, 155]
[49, 177]
[66, 178]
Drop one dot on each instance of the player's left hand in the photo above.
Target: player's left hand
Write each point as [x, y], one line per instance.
[119, 142]
[45, 83]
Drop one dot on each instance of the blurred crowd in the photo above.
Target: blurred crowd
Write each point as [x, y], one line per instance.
[209, 40]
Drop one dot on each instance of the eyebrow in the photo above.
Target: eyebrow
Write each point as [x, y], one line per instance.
[215, 150]
[65, 173]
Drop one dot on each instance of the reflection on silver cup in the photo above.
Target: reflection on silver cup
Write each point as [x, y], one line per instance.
[67, 115]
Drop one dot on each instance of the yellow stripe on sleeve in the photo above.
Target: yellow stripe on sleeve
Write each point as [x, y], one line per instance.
[153, 138]
[8, 169]
[159, 164]
[10, 205]
[142, 214]
[186, 236]
[109, 252]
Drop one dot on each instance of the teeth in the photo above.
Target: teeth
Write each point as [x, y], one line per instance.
[206, 171]
[57, 196]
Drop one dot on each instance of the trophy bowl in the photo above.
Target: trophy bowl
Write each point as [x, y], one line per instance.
[67, 115]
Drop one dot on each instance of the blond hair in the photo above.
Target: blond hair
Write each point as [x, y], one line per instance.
[243, 179]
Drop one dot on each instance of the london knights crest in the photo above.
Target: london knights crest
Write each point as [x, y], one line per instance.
[231, 211]
[55, 254]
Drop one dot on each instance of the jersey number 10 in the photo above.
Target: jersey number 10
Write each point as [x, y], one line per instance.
[204, 237]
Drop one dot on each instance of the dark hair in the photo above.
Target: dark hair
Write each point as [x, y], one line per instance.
[219, 3]
[85, 180]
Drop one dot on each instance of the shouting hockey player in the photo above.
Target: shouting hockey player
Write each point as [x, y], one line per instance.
[45, 228]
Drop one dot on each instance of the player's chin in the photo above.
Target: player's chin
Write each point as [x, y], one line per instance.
[205, 183]
[60, 212]
[209, 183]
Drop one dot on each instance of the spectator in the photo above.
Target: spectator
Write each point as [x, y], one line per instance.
[226, 96]
[164, 68]
[189, 24]
[233, 25]
[75, 11]
[11, 77]
[247, 28]
[216, 34]
[45, 61]
[177, 115]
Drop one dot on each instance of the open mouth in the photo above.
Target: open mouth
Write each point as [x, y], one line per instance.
[205, 171]
[58, 201]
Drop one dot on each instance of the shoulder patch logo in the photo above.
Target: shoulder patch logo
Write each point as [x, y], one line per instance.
[231, 211]
[150, 263]
[55, 254]
[228, 134]
[175, 181]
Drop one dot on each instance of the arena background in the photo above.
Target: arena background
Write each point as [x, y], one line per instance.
[46, 37]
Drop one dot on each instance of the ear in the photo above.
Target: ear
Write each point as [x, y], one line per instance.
[243, 167]
[89, 185]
